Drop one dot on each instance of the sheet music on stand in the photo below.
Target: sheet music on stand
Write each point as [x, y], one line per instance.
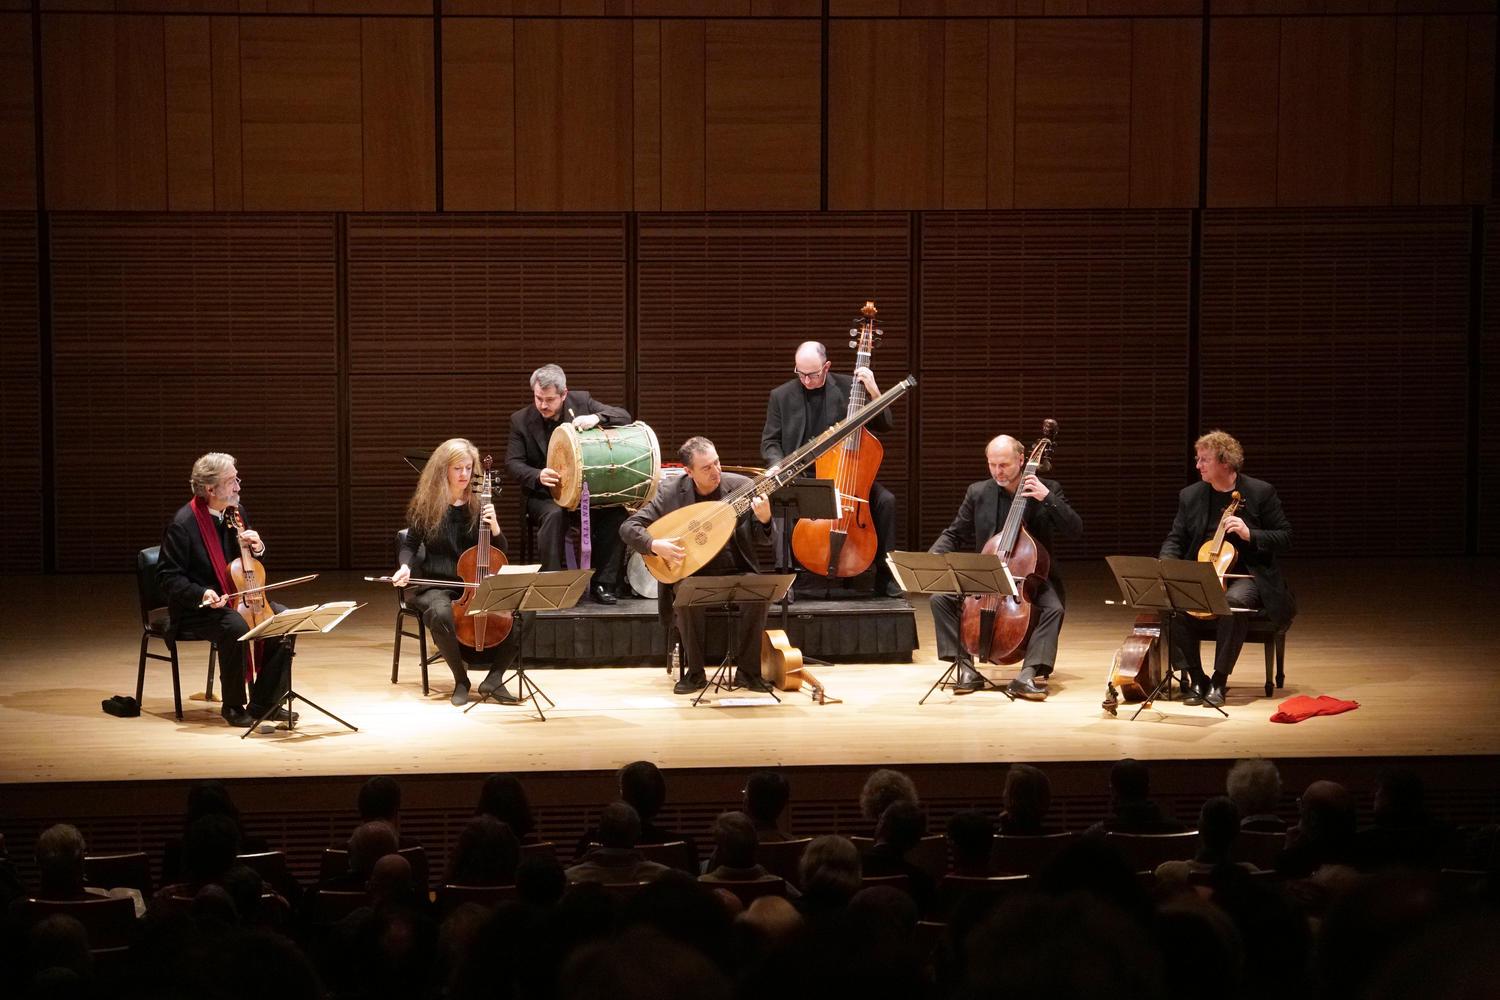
[728, 592]
[522, 589]
[1169, 587]
[315, 618]
[960, 574]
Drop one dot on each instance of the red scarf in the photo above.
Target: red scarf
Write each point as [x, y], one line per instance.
[1300, 707]
[209, 529]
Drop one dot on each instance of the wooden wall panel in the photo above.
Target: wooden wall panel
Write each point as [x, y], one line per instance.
[103, 92]
[1165, 110]
[885, 114]
[400, 168]
[453, 313]
[1479, 110]
[574, 100]
[1406, 131]
[1489, 387]
[1002, 115]
[301, 94]
[762, 114]
[1323, 336]
[479, 114]
[1243, 95]
[20, 395]
[229, 186]
[966, 140]
[17, 114]
[150, 313]
[1336, 111]
[683, 88]
[646, 131]
[1072, 113]
[1077, 316]
[188, 45]
[1444, 58]
[731, 297]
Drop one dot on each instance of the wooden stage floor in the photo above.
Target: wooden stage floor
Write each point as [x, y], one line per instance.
[1427, 676]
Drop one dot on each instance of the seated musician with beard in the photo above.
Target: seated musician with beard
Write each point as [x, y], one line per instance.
[706, 480]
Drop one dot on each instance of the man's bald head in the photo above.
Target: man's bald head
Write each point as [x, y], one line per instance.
[1006, 458]
[812, 364]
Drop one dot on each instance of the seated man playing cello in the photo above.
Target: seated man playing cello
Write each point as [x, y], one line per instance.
[1258, 532]
[442, 523]
[706, 480]
[197, 553]
[985, 507]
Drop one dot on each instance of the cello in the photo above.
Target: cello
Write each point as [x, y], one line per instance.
[995, 628]
[845, 546]
[480, 632]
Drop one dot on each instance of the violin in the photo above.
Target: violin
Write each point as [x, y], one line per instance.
[249, 578]
[1219, 551]
[845, 546]
[995, 628]
[1136, 668]
[480, 632]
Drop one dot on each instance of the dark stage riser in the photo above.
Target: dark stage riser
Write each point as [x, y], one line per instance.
[874, 630]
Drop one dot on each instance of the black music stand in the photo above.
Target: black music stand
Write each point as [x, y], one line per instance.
[812, 498]
[522, 590]
[1168, 587]
[959, 573]
[729, 592]
[317, 618]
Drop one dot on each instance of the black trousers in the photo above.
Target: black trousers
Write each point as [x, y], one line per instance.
[1229, 634]
[224, 626]
[1041, 648]
[607, 550]
[436, 605]
[882, 512]
[692, 626]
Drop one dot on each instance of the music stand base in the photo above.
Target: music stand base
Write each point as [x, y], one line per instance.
[286, 701]
[944, 682]
[1166, 682]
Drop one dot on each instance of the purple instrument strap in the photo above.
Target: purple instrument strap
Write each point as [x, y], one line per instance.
[585, 537]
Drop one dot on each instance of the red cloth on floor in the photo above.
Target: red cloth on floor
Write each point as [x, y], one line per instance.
[1302, 707]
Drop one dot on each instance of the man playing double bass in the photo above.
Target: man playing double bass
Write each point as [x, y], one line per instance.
[706, 480]
[194, 575]
[981, 515]
[531, 430]
[1258, 532]
[807, 405]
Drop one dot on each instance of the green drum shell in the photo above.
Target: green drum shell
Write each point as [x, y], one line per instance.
[622, 465]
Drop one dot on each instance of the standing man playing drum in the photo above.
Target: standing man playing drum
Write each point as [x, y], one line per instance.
[531, 430]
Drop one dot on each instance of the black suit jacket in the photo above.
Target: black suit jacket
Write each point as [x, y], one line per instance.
[184, 571]
[679, 493]
[526, 452]
[786, 415]
[985, 507]
[1270, 533]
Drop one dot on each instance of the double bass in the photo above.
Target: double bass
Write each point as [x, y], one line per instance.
[845, 546]
[995, 628]
[480, 632]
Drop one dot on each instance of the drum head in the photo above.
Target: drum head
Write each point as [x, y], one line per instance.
[565, 456]
[639, 577]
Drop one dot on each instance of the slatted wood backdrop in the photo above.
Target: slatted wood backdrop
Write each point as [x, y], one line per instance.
[1488, 470]
[20, 394]
[179, 334]
[1334, 345]
[448, 317]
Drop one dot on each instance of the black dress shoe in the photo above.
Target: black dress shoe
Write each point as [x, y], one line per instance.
[237, 717]
[280, 714]
[969, 680]
[494, 686]
[603, 596]
[1026, 690]
[695, 681]
[1193, 691]
[751, 682]
[1215, 697]
[889, 588]
[460, 695]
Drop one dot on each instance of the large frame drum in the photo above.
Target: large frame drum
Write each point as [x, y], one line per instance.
[622, 465]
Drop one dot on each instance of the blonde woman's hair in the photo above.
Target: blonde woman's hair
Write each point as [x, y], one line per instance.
[207, 472]
[430, 503]
[1223, 447]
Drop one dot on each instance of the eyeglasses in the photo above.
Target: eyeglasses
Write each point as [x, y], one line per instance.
[804, 376]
